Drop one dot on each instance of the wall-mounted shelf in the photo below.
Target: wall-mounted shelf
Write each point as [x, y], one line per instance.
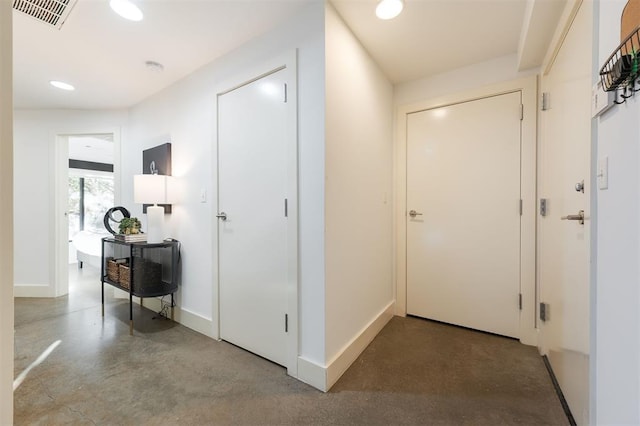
[620, 72]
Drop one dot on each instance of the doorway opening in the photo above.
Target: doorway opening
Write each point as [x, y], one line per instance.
[90, 192]
[521, 206]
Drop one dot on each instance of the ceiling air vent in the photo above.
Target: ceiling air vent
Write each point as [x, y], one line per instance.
[51, 12]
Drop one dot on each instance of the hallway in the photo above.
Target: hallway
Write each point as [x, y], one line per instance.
[414, 372]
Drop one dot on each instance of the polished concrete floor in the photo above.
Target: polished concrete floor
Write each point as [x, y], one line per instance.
[416, 372]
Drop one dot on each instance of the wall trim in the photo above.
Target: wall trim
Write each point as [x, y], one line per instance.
[182, 316]
[357, 345]
[312, 374]
[323, 378]
[33, 290]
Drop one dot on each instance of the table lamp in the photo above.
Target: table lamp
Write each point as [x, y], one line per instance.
[152, 189]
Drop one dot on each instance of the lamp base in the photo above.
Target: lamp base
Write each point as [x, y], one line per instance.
[155, 224]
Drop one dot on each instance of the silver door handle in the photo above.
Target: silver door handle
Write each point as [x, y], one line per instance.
[414, 213]
[222, 215]
[579, 216]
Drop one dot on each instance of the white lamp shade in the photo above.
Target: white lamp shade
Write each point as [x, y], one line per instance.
[151, 189]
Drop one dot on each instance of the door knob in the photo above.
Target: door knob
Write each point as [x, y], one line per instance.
[414, 213]
[580, 186]
[222, 215]
[579, 217]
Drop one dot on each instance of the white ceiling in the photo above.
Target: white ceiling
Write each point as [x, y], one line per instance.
[104, 56]
[94, 148]
[433, 36]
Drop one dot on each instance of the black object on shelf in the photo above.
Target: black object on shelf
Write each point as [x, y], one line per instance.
[141, 269]
[620, 72]
[109, 217]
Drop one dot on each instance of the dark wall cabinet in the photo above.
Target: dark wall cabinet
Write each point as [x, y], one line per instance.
[141, 269]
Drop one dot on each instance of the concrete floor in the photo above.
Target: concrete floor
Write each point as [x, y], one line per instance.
[415, 372]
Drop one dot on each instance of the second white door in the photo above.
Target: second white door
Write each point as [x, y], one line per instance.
[564, 245]
[252, 224]
[463, 214]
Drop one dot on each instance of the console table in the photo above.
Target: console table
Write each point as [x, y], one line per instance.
[141, 269]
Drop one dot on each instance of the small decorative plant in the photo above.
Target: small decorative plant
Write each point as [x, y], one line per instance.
[129, 225]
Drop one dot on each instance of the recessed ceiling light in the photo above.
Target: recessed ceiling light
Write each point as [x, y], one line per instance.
[61, 85]
[388, 9]
[126, 9]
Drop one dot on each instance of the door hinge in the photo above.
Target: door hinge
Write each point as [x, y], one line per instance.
[521, 112]
[286, 323]
[520, 206]
[286, 208]
[545, 102]
[520, 301]
[285, 93]
[543, 206]
[544, 311]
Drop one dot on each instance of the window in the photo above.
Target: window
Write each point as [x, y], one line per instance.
[90, 196]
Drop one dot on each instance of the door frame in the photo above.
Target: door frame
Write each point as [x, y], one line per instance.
[59, 188]
[286, 62]
[528, 87]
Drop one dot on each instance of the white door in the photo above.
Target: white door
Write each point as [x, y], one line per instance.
[463, 243]
[252, 183]
[564, 244]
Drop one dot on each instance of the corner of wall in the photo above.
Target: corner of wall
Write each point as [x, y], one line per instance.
[347, 356]
[312, 374]
[324, 377]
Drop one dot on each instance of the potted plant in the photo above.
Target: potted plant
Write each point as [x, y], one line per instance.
[129, 226]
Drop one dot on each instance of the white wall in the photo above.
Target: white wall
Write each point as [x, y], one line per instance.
[35, 137]
[185, 115]
[358, 189]
[6, 216]
[496, 70]
[617, 306]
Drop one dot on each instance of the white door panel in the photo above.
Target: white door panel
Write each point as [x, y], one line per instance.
[463, 177]
[563, 244]
[253, 239]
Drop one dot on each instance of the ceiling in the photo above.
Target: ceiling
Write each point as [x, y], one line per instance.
[433, 36]
[94, 148]
[104, 56]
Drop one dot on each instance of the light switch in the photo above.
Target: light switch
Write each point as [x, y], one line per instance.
[603, 173]
[203, 195]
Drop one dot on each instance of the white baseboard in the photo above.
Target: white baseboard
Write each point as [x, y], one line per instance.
[196, 322]
[312, 374]
[187, 318]
[323, 378]
[37, 290]
[358, 344]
